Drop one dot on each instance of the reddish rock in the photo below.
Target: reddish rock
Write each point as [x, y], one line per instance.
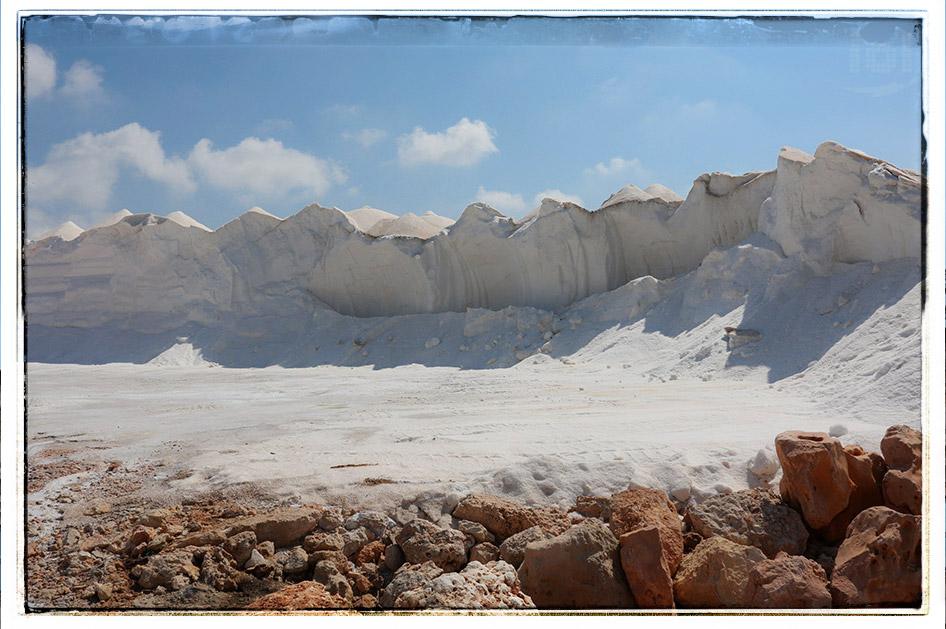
[879, 561]
[787, 582]
[646, 568]
[814, 475]
[715, 574]
[484, 553]
[639, 507]
[902, 448]
[370, 553]
[305, 595]
[593, 507]
[504, 518]
[753, 517]
[865, 471]
[579, 569]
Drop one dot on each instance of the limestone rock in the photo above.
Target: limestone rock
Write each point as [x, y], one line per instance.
[645, 566]
[296, 561]
[160, 569]
[787, 582]
[477, 530]
[409, 577]
[715, 574]
[478, 586]
[424, 541]
[513, 550]
[752, 517]
[154, 518]
[282, 527]
[393, 557]
[579, 569]
[218, 570]
[305, 595]
[902, 448]
[504, 518]
[200, 538]
[879, 560]
[375, 522]
[240, 546]
[639, 507]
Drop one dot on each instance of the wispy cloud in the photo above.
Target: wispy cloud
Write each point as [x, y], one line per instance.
[558, 195]
[464, 144]
[344, 111]
[366, 137]
[617, 165]
[700, 110]
[272, 126]
[887, 89]
[504, 201]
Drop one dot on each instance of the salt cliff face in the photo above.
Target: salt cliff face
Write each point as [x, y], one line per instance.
[842, 206]
[259, 276]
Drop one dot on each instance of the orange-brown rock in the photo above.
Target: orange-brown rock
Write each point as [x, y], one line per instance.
[879, 561]
[646, 568]
[814, 475]
[305, 595]
[902, 448]
[715, 574]
[865, 471]
[370, 553]
[579, 569]
[639, 507]
[787, 582]
[504, 518]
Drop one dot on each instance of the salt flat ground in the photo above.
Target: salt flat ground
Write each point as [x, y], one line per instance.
[540, 433]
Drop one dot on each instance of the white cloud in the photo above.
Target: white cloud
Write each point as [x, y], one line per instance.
[83, 81]
[504, 201]
[464, 144]
[264, 167]
[40, 72]
[617, 165]
[558, 195]
[366, 137]
[83, 170]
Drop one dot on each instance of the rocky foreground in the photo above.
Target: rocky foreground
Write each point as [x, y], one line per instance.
[844, 530]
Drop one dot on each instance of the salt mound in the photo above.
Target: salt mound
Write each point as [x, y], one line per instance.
[364, 218]
[111, 219]
[181, 354]
[407, 225]
[67, 231]
[183, 219]
[258, 210]
[440, 222]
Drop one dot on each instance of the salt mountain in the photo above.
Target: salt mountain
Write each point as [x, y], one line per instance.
[781, 251]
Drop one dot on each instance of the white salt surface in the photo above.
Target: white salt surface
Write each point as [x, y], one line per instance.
[542, 433]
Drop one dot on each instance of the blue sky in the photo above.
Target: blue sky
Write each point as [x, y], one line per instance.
[212, 116]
